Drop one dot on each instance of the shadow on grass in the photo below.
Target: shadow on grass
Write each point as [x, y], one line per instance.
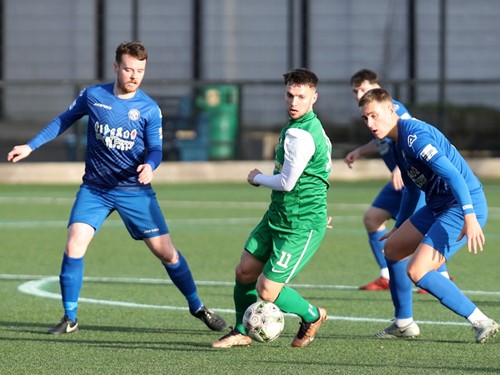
[116, 344]
[82, 337]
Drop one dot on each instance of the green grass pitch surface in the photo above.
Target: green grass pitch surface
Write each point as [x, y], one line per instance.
[133, 321]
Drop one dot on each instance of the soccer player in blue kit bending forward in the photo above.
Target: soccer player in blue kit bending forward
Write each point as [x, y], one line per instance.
[388, 201]
[124, 147]
[420, 242]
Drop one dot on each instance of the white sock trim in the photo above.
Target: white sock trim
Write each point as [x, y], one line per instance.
[384, 272]
[401, 323]
[445, 274]
[476, 316]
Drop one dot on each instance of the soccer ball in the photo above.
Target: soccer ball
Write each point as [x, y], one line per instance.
[263, 321]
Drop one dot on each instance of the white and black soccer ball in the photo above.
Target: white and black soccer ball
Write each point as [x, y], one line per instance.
[263, 321]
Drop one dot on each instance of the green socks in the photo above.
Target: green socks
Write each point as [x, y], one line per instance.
[244, 295]
[290, 301]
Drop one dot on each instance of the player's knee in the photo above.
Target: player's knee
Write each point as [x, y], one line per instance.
[367, 221]
[75, 250]
[245, 275]
[266, 294]
[391, 250]
[372, 223]
[415, 273]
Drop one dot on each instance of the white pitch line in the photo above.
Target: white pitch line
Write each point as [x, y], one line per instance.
[35, 288]
[119, 223]
[133, 280]
[175, 204]
[191, 203]
[36, 284]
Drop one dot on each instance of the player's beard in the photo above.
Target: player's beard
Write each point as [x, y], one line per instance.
[126, 88]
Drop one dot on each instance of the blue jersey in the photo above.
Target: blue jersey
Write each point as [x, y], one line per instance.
[429, 162]
[121, 135]
[385, 145]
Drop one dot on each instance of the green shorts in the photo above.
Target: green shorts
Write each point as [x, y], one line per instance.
[285, 252]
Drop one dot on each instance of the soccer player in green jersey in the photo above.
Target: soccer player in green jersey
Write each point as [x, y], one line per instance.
[294, 225]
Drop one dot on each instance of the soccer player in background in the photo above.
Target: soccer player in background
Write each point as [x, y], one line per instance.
[124, 147]
[421, 241]
[294, 225]
[386, 204]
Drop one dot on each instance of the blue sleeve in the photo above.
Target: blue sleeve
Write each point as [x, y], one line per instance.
[409, 201]
[61, 123]
[154, 157]
[445, 169]
[154, 139]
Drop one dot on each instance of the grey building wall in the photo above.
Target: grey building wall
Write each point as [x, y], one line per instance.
[49, 44]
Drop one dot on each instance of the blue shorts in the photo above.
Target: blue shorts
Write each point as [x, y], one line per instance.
[442, 230]
[139, 210]
[389, 199]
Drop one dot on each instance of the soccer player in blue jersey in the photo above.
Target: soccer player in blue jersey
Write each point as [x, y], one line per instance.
[387, 203]
[421, 241]
[124, 147]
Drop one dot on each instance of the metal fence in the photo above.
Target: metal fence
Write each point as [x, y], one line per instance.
[247, 126]
[439, 57]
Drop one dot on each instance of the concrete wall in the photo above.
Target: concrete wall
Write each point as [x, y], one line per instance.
[170, 172]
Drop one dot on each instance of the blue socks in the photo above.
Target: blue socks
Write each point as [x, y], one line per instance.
[434, 282]
[181, 276]
[447, 293]
[401, 288]
[70, 279]
[377, 247]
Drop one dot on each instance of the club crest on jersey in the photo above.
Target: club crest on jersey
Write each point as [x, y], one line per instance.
[411, 138]
[428, 152]
[134, 114]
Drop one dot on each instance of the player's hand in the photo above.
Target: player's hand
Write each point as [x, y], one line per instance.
[387, 234]
[251, 176]
[351, 157]
[19, 153]
[328, 225]
[145, 174]
[474, 233]
[396, 179]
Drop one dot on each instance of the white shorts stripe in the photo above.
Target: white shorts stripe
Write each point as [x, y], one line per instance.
[304, 250]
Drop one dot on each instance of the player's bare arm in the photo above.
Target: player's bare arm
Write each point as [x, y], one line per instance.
[388, 234]
[329, 222]
[19, 153]
[367, 148]
[351, 157]
[396, 179]
[474, 233]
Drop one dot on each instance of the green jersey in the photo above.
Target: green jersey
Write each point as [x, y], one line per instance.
[304, 207]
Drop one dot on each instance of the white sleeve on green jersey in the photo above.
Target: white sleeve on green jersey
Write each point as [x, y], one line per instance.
[299, 148]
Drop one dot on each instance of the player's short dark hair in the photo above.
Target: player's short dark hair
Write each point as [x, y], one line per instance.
[364, 75]
[375, 95]
[301, 76]
[135, 49]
